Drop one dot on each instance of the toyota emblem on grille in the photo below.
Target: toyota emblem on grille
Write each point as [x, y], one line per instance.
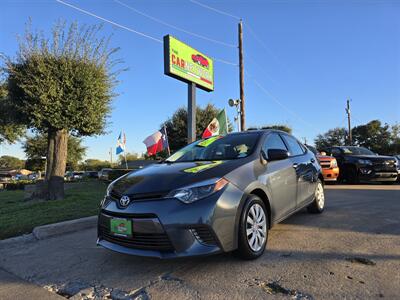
[124, 201]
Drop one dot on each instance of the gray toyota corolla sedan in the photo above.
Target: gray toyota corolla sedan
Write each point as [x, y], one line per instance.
[215, 195]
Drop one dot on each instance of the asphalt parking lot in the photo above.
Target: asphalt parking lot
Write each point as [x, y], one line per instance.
[350, 251]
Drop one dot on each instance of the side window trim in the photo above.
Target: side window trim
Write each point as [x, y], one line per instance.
[275, 134]
[287, 146]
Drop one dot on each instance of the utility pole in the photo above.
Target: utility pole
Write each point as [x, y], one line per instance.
[348, 121]
[111, 156]
[241, 78]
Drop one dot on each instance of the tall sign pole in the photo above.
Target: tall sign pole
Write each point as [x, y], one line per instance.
[349, 122]
[191, 121]
[241, 78]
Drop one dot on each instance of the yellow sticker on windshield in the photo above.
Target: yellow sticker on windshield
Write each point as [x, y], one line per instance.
[209, 141]
[203, 167]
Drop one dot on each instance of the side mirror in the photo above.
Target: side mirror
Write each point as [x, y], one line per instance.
[263, 157]
[277, 154]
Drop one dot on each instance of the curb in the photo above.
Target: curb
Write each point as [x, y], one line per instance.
[47, 231]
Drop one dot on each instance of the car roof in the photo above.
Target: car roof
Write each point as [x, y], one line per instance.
[341, 147]
[259, 131]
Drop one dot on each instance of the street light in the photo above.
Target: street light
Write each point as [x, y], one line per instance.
[232, 103]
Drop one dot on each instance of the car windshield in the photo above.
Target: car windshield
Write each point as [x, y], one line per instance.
[357, 151]
[233, 146]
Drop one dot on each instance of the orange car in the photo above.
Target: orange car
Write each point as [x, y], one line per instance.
[330, 169]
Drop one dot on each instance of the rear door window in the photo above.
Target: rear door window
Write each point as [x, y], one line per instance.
[294, 146]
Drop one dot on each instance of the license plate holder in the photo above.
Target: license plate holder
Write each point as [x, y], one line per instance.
[121, 227]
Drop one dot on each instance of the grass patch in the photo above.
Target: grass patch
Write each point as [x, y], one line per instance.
[18, 217]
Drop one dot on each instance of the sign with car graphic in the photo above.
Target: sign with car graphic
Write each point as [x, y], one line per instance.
[187, 64]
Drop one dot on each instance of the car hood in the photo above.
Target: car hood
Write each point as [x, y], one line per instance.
[325, 157]
[372, 157]
[159, 179]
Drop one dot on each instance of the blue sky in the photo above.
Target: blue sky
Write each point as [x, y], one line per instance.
[304, 60]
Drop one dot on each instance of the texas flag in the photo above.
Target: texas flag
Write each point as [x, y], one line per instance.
[157, 142]
[218, 125]
[121, 143]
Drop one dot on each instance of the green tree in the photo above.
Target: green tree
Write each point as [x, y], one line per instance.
[374, 136]
[35, 148]
[394, 147]
[333, 137]
[62, 86]
[11, 162]
[94, 164]
[9, 131]
[129, 157]
[35, 164]
[281, 127]
[177, 125]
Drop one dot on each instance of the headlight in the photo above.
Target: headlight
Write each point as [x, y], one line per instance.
[105, 199]
[198, 191]
[365, 162]
[334, 163]
[109, 188]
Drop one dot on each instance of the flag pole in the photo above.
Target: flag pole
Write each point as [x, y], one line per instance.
[226, 122]
[126, 163]
[166, 135]
[124, 139]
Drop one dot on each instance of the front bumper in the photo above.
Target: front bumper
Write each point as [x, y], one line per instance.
[168, 228]
[369, 174]
[330, 174]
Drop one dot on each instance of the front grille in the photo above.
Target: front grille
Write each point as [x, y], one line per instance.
[126, 215]
[145, 241]
[325, 164]
[384, 166]
[204, 235]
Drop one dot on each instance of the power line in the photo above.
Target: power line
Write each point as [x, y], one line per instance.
[226, 62]
[173, 26]
[215, 10]
[129, 29]
[266, 92]
[260, 41]
[257, 65]
[109, 21]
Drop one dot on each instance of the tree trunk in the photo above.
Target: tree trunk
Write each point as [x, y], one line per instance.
[56, 163]
[50, 154]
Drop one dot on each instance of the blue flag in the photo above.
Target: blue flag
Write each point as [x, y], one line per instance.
[121, 142]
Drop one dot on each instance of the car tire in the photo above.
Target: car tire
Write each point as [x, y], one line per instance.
[318, 204]
[252, 240]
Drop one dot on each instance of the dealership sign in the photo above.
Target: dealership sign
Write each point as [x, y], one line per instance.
[187, 64]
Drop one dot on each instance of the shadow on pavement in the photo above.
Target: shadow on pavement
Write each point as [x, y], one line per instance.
[368, 211]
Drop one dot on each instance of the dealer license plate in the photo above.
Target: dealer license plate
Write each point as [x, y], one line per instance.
[121, 227]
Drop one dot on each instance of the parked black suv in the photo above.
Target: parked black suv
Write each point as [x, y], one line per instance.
[360, 164]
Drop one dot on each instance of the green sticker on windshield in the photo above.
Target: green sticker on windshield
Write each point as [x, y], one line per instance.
[208, 141]
[203, 167]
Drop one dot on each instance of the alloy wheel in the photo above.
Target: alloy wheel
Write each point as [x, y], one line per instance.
[319, 195]
[256, 227]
